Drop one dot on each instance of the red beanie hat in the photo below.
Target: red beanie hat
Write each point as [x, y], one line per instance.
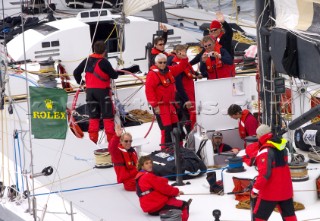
[215, 24]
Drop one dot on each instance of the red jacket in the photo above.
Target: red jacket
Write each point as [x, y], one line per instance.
[252, 150]
[97, 78]
[248, 124]
[273, 182]
[159, 93]
[125, 162]
[160, 193]
[155, 51]
[187, 80]
[216, 68]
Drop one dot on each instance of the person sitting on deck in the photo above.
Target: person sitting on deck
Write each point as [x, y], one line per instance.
[124, 158]
[216, 62]
[248, 124]
[154, 192]
[219, 146]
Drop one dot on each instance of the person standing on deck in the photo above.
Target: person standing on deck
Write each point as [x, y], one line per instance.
[98, 72]
[216, 62]
[248, 124]
[222, 33]
[154, 192]
[159, 44]
[185, 90]
[124, 158]
[160, 92]
[273, 186]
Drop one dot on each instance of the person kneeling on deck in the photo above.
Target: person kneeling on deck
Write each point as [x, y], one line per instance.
[273, 186]
[97, 79]
[160, 92]
[124, 158]
[154, 192]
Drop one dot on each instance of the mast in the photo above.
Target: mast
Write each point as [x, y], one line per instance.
[270, 101]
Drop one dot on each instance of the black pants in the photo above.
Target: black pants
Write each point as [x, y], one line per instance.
[99, 103]
[264, 208]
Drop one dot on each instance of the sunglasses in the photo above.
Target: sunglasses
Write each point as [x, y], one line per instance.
[160, 44]
[127, 141]
[162, 62]
[208, 45]
[214, 29]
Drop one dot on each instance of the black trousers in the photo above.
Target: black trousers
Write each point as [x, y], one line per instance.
[264, 208]
[99, 103]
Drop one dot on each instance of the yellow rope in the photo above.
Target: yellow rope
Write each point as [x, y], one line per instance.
[47, 70]
[237, 36]
[120, 63]
[62, 179]
[114, 28]
[103, 158]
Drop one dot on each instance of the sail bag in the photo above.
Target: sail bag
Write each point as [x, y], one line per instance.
[164, 164]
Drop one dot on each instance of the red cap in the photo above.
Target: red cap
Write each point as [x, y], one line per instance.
[215, 24]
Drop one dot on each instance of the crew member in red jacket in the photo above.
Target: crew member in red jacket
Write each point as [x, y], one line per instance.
[154, 192]
[98, 92]
[159, 44]
[160, 93]
[216, 62]
[222, 33]
[253, 148]
[273, 186]
[248, 124]
[185, 89]
[124, 158]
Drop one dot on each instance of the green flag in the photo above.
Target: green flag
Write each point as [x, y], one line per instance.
[48, 113]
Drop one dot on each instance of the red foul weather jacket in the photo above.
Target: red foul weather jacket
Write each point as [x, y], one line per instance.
[125, 161]
[248, 124]
[273, 182]
[187, 80]
[161, 89]
[159, 191]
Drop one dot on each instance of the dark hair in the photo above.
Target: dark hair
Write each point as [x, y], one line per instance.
[99, 47]
[142, 160]
[157, 39]
[234, 109]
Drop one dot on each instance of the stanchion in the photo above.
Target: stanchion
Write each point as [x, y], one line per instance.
[177, 156]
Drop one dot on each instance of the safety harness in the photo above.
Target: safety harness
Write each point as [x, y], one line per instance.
[138, 189]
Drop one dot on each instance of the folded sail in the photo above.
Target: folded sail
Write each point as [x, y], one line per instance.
[131, 7]
[300, 15]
